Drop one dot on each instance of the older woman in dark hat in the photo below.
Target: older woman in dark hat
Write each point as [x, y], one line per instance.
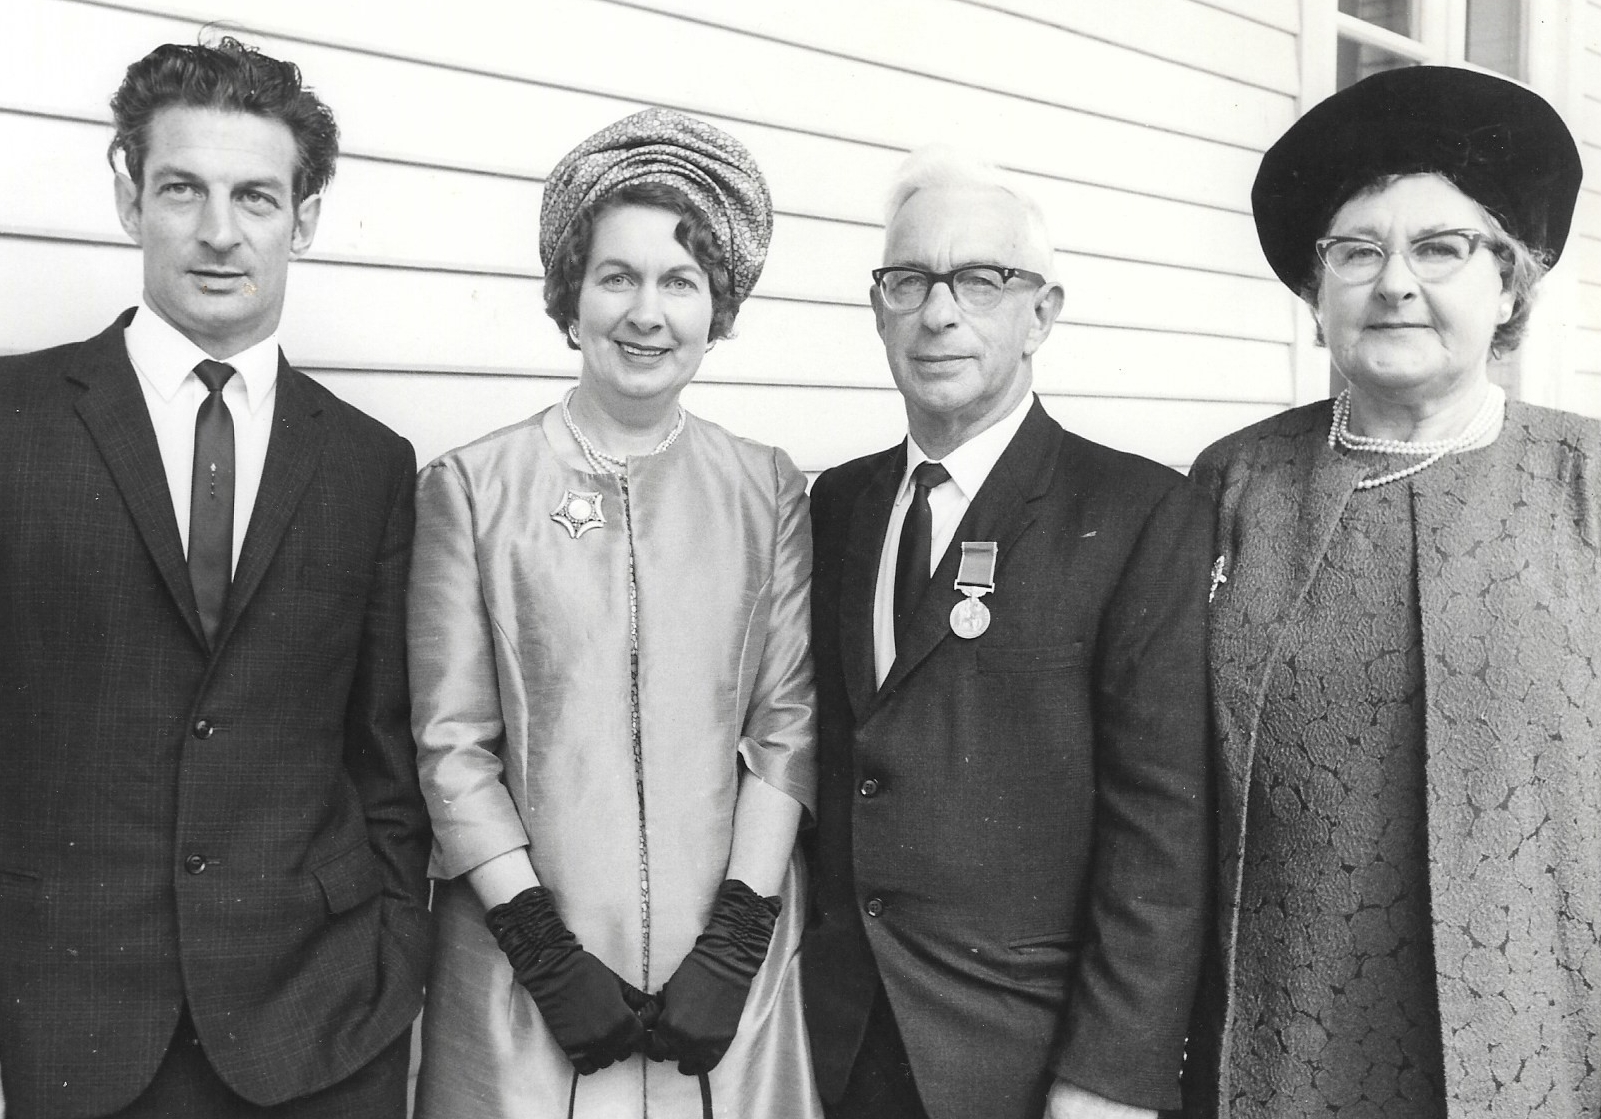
[611, 684]
[1406, 636]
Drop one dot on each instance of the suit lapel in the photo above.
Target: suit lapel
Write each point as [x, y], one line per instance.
[1000, 511]
[293, 451]
[113, 409]
[864, 543]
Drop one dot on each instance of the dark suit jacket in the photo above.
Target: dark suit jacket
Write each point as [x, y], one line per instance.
[1028, 872]
[241, 829]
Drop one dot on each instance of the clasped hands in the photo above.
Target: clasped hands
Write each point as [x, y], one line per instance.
[599, 1018]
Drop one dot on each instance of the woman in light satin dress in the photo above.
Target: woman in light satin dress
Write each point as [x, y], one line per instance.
[612, 688]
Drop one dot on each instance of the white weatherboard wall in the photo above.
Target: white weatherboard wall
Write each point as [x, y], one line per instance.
[1583, 393]
[1138, 126]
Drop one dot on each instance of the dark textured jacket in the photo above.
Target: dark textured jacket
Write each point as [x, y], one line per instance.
[1014, 831]
[239, 829]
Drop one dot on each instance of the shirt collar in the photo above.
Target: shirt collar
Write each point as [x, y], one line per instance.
[971, 463]
[164, 357]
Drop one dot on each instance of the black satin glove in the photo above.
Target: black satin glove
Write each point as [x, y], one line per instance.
[586, 1005]
[702, 1002]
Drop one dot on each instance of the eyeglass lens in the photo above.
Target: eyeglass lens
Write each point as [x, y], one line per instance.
[1430, 258]
[976, 289]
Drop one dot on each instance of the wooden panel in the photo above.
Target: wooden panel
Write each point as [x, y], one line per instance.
[379, 212]
[389, 106]
[1587, 352]
[1168, 431]
[439, 412]
[395, 214]
[343, 314]
[1103, 361]
[1583, 394]
[1283, 14]
[1583, 255]
[1588, 127]
[818, 427]
[993, 51]
[1588, 312]
[1197, 35]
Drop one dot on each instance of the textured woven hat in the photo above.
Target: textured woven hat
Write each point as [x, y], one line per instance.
[659, 145]
[1501, 144]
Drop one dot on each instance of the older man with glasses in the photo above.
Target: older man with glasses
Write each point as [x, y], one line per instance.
[1012, 847]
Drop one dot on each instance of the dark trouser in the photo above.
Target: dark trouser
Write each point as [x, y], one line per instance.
[880, 1085]
[187, 1087]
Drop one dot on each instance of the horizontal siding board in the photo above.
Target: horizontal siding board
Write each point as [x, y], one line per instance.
[1584, 394]
[1181, 31]
[343, 317]
[1283, 14]
[400, 214]
[1041, 61]
[402, 109]
[1588, 126]
[422, 302]
[483, 317]
[819, 427]
[1588, 351]
[1583, 253]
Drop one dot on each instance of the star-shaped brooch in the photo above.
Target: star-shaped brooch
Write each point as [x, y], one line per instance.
[578, 513]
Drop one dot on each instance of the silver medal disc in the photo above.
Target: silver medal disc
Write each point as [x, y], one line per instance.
[969, 618]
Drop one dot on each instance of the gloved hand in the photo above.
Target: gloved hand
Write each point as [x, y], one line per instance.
[586, 1005]
[702, 1002]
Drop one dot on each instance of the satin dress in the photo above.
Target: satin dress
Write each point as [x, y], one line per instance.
[595, 661]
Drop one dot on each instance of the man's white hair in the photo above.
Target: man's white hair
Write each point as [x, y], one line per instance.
[942, 166]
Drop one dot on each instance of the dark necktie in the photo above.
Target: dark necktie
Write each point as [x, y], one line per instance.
[211, 499]
[911, 561]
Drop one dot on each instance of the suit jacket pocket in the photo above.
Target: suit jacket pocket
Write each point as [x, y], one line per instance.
[1043, 658]
[349, 879]
[1044, 958]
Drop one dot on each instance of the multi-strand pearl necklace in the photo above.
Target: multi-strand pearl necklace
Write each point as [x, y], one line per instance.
[1431, 451]
[599, 459]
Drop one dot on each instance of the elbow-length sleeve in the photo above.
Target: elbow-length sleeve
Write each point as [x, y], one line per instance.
[456, 711]
[778, 742]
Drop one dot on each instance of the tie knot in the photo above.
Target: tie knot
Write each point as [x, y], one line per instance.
[928, 475]
[214, 374]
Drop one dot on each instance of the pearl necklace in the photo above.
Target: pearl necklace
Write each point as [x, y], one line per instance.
[1431, 450]
[598, 459]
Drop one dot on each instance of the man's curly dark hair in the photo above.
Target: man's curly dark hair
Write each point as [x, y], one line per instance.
[232, 77]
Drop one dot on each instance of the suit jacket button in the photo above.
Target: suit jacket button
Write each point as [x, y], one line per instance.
[203, 728]
[194, 864]
[874, 907]
[870, 787]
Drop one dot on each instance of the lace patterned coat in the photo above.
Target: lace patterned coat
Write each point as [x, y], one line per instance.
[1509, 592]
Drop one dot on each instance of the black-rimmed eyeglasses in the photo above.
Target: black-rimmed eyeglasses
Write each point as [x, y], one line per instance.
[1434, 256]
[976, 287]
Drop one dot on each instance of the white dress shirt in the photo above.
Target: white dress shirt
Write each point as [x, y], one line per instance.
[969, 465]
[165, 361]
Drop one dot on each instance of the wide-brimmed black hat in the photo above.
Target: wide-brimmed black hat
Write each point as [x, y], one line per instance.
[1499, 143]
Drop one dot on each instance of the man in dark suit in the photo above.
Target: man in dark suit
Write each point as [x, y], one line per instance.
[212, 842]
[1011, 855]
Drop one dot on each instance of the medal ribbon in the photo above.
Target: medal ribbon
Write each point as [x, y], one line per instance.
[976, 576]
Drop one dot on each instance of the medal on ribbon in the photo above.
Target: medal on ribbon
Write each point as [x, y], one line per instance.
[975, 579]
[578, 513]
